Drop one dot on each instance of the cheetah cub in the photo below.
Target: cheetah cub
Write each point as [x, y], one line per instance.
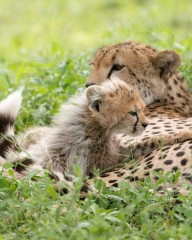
[83, 131]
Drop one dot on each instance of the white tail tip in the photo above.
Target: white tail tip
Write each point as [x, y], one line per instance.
[11, 104]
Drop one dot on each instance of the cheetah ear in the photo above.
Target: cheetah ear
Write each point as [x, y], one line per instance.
[94, 95]
[167, 62]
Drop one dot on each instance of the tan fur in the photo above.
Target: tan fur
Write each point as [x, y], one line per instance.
[83, 131]
[154, 75]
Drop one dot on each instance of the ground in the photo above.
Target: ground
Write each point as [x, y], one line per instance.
[46, 47]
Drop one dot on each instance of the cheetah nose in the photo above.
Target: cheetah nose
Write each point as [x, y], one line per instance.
[89, 84]
[144, 125]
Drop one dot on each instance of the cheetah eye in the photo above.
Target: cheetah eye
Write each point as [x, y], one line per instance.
[133, 113]
[117, 67]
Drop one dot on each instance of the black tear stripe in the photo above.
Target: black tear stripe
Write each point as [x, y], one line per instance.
[135, 125]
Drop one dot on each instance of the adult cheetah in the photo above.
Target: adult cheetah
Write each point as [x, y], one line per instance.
[169, 107]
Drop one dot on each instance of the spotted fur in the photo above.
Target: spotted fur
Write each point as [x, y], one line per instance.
[152, 73]
[83, 132]
[169, 108]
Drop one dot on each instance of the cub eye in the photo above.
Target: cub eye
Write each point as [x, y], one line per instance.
[133, 113]
[117, 67]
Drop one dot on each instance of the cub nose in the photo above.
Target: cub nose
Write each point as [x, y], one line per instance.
[89, 84]
[144, 125]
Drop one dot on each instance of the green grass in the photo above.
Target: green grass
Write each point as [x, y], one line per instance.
[45, 48]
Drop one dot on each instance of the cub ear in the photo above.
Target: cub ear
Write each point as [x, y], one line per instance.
[167, 61]
[94, 95]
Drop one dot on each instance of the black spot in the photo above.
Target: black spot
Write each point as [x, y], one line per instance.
[152, 123]
[147, 155]
[85, 188]
[180, 154]
[134, 170]
[138, 146]
[177, 148]
[159, 188]
[175, 82]
[63, 191]
[188, 125]
[179, 95]
[155, 133]
[148, 159]
[186, 174]
[184, 162]
[158, 169]
[132, 179]
[115, 184]
[175, 168]
[163, 156]
[146, 174]
[128, 178]
[120, 174]
[105, 175]
[188, 177]
[135, 179]
[149, 166]
[168, 162]
[112, 181]
[155, 127]
[167, 126]
[152, 145]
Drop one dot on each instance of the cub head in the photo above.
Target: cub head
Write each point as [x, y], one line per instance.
[115, 106]
[139, 65]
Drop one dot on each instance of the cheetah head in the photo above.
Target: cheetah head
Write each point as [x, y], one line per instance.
[139, 65]
[117, 107]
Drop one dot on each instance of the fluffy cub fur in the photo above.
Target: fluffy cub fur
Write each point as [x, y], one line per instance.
[83, 131]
